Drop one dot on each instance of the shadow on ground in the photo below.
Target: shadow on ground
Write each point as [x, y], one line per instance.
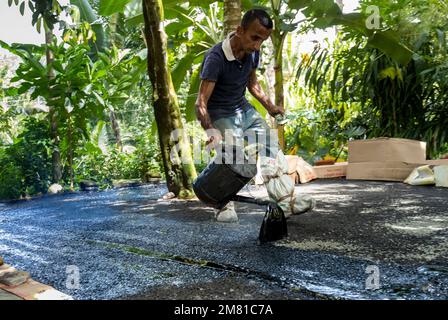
[364, 240]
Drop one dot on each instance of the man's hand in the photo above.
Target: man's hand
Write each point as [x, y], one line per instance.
[276, 110]
[256, 90]
[214, 138]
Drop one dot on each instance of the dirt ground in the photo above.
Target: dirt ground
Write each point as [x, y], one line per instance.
[364, 240]
[379, 222]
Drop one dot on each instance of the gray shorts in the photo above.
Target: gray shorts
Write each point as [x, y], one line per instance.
[248, 127]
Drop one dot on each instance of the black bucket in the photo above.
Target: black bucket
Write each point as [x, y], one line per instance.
[274, 225]
[222, 180]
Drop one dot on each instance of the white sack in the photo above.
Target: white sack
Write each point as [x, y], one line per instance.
[280, 186]
[421, 176]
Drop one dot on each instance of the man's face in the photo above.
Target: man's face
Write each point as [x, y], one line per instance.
[253, 36]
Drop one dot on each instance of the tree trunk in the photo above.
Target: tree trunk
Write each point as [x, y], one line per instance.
[113, 118]
[176, 155]
[113, 24]
[232, 15]
[278, 39]
[70, 152]
[56, 155]
[116, 129]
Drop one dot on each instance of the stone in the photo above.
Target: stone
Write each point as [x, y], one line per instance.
[1, 261]
[169, 195]
[55, 188]
[151, 176]
[126, 183]
[14, 278]
[88, 185]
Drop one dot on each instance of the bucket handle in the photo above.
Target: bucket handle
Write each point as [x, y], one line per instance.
[260, 202]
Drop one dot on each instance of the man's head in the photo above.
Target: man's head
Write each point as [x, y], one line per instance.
[256, 27]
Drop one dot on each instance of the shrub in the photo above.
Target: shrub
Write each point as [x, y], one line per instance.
[26, 164]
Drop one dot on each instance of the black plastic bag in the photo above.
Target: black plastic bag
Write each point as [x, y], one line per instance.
[274, 224]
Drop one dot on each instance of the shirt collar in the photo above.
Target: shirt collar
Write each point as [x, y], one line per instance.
[227, 48]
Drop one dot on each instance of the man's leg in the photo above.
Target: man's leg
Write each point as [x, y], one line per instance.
[254, 122]
[231, 128]
[255, 126]
[231, 131]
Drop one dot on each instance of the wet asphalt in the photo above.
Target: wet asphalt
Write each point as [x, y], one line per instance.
[364, 240]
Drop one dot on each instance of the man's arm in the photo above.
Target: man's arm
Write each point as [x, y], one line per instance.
[205, 91]
[257, 91]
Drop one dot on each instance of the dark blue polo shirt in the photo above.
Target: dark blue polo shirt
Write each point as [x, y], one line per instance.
[232, 77]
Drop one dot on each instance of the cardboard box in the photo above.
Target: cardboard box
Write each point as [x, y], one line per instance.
[441, 176]
[440, 162]
[383, 171]
[299, 170]
[292, 168]
[386, 149]
[306, 171]
[388, 170]
[339, 169]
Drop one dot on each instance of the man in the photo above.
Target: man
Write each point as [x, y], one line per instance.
[227, 70]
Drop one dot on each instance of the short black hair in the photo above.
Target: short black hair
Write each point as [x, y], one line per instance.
[257, 14]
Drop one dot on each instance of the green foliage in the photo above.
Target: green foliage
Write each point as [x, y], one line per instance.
[118, 72]
[85, 13]
[5, 120]
[391, 81]
[397, 100]
[11, 186]
[68, 92]
[80, 90]
[320, 131]
[324, 14]
[26, 164]
[5, 114]
[192, 28]
[103, 166]
[108, 7]
[8, 128]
